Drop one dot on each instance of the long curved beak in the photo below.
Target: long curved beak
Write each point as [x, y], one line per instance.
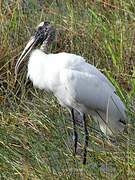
[25, 52]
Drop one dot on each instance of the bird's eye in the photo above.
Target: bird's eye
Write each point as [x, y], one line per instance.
[39, 28]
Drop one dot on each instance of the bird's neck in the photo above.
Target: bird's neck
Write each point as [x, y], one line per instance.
[44, 47]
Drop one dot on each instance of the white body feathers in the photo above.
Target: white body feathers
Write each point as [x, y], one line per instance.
[78, 85]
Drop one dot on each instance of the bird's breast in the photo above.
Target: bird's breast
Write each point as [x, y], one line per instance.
[36, 69]
[42, 71]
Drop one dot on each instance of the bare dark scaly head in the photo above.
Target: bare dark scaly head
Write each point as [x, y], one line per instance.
[43, 35]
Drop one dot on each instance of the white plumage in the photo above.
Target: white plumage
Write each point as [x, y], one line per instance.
[76, 84]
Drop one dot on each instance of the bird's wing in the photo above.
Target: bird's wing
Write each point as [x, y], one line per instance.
[88, 94]
[85, 89]
[92, 70]
[76, 62]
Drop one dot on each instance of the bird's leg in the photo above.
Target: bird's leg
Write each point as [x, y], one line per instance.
[86, 139]
[75, 131]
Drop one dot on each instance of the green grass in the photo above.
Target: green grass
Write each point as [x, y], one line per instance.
[35, 132]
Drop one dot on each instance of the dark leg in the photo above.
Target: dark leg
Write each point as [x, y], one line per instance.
[75, 132]
[86, 139]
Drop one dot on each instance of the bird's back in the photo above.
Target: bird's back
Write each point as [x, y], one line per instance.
[78, 63]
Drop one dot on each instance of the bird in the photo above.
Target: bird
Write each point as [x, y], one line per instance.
[78, 85]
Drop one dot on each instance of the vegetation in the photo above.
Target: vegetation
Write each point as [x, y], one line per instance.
[35, 132]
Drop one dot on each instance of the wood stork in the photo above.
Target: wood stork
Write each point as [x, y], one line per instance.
[76, 84]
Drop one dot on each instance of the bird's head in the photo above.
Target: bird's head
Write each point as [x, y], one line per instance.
[44, 33]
